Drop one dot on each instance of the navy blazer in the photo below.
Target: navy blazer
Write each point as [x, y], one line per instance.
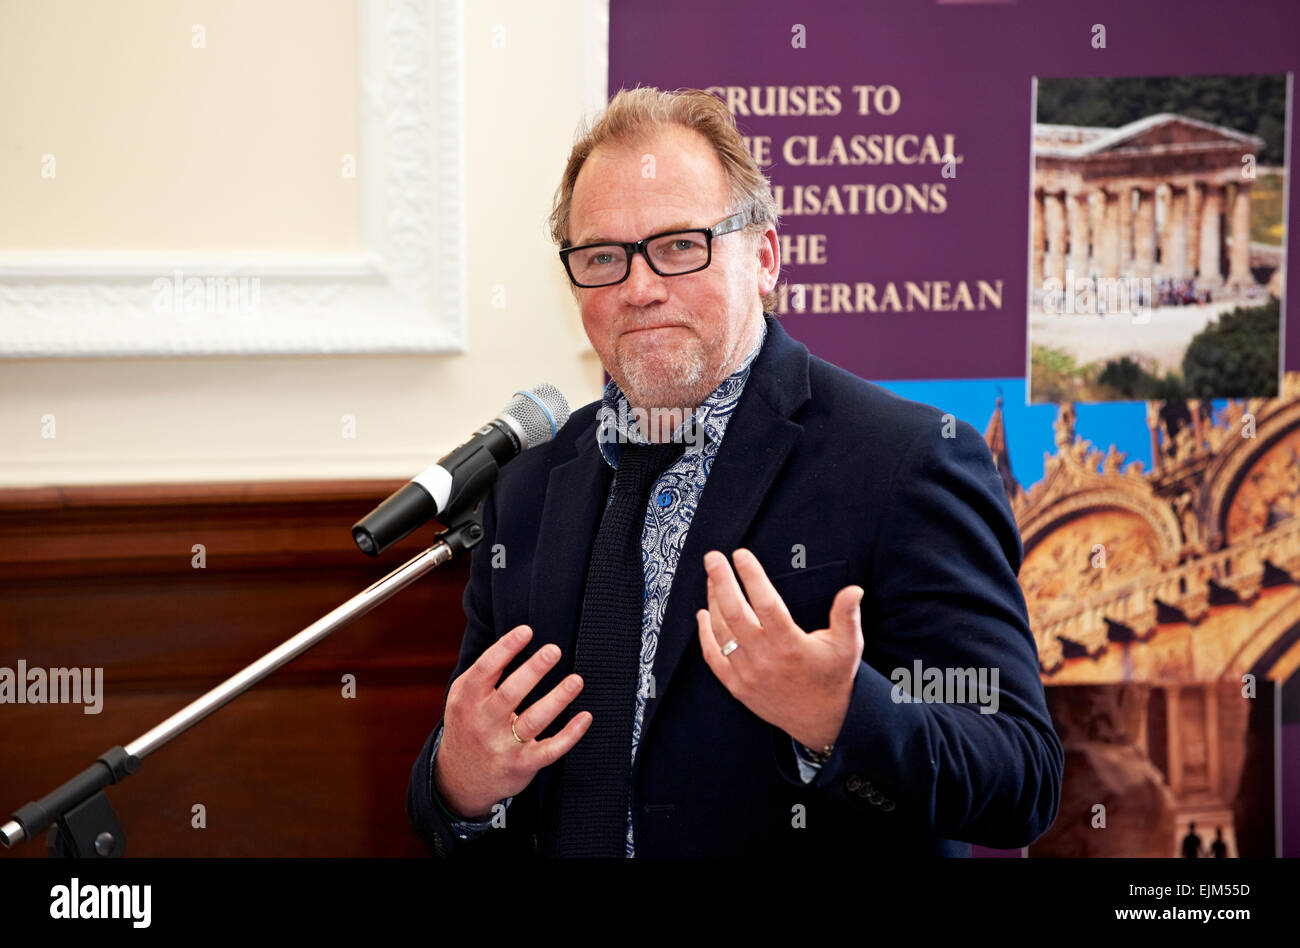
[879, 491]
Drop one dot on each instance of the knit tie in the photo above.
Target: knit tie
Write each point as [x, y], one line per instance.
[596, 773]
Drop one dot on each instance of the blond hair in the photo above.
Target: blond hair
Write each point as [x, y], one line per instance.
[634, 115]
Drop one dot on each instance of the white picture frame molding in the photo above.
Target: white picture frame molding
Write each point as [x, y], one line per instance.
[404, 292]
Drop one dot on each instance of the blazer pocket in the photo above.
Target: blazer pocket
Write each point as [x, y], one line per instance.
[808, 592]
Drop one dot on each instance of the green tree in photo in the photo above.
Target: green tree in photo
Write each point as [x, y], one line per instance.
[1235, 356]
[1125, 379]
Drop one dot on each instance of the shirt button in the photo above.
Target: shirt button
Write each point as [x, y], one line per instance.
[665, 498]
[887, 805]
[853, 783]
[875, 796]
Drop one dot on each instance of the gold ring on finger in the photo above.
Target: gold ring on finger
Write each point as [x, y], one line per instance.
[513, 719]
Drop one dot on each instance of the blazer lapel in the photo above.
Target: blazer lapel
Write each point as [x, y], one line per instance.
[758, 439]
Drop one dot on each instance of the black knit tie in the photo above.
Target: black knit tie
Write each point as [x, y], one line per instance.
[596, 774]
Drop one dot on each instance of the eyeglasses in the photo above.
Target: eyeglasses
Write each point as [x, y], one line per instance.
[672, 253]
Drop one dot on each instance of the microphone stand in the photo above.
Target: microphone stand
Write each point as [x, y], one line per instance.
[84, 821]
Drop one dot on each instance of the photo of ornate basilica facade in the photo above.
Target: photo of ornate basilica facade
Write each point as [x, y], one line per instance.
[1165, 604]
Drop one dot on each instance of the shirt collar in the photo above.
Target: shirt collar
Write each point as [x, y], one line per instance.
[615, 423]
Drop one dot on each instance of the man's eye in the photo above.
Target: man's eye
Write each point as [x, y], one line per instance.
[601, 258]
[684, 243]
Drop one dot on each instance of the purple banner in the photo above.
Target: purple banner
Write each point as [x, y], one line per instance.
[899, 135]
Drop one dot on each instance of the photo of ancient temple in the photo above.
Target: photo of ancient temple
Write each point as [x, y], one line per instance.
[1156, 243]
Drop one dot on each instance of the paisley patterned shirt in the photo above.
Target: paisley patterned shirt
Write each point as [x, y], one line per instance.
[673, 499]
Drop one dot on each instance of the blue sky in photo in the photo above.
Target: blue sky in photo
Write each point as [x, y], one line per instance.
[1029, 427]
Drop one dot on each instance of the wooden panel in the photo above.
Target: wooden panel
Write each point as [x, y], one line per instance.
[103, 576]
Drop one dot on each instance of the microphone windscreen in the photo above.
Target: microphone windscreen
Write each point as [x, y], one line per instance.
[540, 411]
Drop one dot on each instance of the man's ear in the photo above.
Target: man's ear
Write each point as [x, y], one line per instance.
[768, 249]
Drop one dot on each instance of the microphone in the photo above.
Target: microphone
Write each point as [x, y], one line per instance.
[461, 479]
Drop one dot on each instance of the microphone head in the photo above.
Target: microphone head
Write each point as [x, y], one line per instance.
[538, 413]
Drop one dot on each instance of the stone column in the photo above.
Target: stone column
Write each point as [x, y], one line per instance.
[1124, 248]
[1210, 237]
[1054, 220]
[1038, 246]
[1109, 264]
[1176, 225]
[1239, 255]
[1164, 198]
[1144, 238]
[1213, 763]
[1195, 204]
[1076, 210]
[1096, 228]
[1173, 742]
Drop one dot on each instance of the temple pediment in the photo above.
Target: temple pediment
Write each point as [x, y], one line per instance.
[1163, 132]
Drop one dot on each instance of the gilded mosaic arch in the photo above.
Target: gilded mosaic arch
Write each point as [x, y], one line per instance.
[1105, 493]
[1252, 464]
[1273, 649]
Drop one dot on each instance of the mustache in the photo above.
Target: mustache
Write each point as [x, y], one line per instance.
[634, 325]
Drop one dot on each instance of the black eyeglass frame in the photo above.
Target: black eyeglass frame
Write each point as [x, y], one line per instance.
[727, 225]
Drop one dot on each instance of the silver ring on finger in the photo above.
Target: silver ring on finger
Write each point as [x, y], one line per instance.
[513, 719]
[730, 647]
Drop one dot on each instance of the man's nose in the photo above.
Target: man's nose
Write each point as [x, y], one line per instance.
[643, 285]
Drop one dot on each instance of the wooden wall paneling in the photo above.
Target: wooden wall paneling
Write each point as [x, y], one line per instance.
[103, 576]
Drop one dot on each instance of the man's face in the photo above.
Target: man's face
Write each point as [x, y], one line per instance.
[669, 341]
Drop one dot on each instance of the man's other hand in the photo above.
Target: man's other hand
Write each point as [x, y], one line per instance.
[479, 762]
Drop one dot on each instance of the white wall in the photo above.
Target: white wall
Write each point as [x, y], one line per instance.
[65, 65]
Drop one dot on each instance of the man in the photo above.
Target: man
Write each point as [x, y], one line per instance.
[1219, 848]
[803, 536]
